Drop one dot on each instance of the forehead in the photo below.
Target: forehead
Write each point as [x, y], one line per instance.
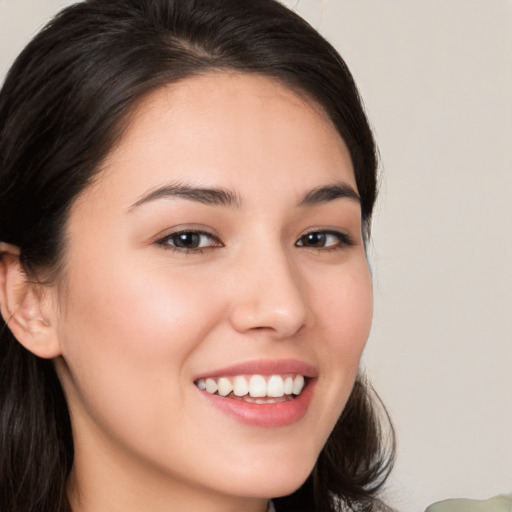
[236, 93]
[221, 128]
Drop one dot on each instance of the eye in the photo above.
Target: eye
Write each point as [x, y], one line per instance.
[189, 241]
[324, 240]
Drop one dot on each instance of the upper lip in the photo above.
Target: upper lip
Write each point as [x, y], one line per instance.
[264, 367]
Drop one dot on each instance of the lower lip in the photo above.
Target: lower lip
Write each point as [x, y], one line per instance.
[279, 414]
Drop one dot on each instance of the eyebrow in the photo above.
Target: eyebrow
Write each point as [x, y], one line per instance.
[329, 193]
[223, 197]
[210, 196]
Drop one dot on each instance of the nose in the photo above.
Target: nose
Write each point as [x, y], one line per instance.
[269, 295]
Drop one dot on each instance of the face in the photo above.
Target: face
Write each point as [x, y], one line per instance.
[219, 248]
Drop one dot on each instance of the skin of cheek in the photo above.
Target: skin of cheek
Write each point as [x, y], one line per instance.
[344, 316]
[139, 327]
[127, 364]
[155, 343]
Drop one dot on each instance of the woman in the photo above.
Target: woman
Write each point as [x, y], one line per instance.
[186, 190]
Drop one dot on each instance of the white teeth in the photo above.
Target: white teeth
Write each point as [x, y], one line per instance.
[275, 386]
[288, 385]
[240, 386]
[211, 386]
[256, 387]
[298, 384]
[225, 386]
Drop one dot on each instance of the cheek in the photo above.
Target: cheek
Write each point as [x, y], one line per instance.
[127, 335]
[344, 315]
[345, 312]
[148, 312]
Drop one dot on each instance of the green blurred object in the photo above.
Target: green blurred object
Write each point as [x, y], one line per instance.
[496, 504]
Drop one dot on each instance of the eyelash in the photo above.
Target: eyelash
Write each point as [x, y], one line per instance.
[165, 241]
[343, 240]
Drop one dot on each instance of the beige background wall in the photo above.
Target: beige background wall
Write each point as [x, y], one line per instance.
[436, 76]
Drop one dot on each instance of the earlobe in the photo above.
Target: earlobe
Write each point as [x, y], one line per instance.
[24, 307]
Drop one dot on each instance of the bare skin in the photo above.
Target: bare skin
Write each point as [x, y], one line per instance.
[268, 273]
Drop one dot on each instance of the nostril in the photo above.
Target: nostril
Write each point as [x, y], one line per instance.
[279, 309]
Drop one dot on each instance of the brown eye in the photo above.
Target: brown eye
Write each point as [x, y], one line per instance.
[314, 240]
[324, 239]
[186, 240]
[190, 240]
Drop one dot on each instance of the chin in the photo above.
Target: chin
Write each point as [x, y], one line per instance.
[286, 486]
[272, 479]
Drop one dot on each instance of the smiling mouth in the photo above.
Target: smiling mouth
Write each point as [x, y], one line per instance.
[258, 389]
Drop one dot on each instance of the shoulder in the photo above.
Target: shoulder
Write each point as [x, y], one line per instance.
[496, 504]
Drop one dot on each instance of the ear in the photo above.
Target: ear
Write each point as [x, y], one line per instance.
[26, 308]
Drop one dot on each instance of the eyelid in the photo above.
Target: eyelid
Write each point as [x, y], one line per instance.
[344, 239]
[186, 228]
[164, 240]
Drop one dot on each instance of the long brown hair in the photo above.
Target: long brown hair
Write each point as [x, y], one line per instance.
[63, 106]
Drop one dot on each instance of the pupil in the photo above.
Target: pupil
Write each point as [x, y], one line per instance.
[315, 239]
[187, 240]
